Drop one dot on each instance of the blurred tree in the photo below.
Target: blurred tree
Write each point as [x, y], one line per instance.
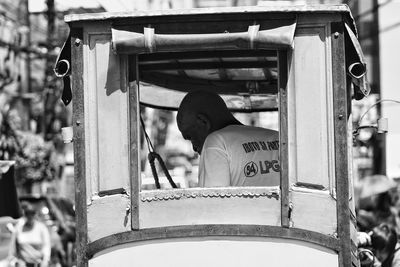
[31, 112]
[32, 154]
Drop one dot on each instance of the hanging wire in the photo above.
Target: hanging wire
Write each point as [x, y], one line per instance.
[376, 103]
[152, 156]
[149, 144]
[360, 127]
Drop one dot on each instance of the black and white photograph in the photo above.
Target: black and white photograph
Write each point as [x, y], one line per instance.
[193, 133]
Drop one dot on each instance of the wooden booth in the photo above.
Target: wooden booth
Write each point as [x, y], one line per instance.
[303, 62]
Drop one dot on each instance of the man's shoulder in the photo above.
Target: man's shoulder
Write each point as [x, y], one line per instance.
[239, 133]
[247, 130]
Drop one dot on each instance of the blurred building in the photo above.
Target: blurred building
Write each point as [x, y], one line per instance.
[389, 39]
[379, 34]
[14, 56]
[48, 30]
[31, 36]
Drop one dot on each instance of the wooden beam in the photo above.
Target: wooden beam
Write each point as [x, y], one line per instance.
[207, 54]
[134, 137]
[283, 137]
[207, 65]
[190, 231]
[186, 84]
[79, 145]
[231, 109]
[340, 137]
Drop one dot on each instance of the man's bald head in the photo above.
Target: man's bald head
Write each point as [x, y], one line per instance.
[203, 102]
[201, 113]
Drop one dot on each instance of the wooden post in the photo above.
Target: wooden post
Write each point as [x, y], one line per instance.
[283, 137]
[134, 137]
[79, 145]
[340, 124]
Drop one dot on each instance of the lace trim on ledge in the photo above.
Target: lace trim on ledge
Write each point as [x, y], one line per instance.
[177, 194]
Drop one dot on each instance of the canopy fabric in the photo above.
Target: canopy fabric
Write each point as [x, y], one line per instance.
[246, 79]
[356, 64]
[159, 97]
[62, 69]
[127, 42]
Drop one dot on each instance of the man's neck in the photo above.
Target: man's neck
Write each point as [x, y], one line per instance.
[231, 121]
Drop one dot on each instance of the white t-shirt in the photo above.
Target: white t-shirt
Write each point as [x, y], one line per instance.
[33, 245]
[240, 155]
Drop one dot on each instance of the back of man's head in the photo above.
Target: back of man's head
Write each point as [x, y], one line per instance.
[201, 113]
[203, 102]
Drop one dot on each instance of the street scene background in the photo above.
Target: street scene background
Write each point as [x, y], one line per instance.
[32, 114]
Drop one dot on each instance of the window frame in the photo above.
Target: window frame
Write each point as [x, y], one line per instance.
[138, 197]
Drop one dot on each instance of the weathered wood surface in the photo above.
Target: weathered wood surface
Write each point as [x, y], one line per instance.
[340, 121]
[313, 173]
[108, 215]
[283, 136]
[194, 231]
[217, 11]
[79, 144]
[310, 124]
[313, 210]
[107, 109]
[311, 158]
[210, 206]
[134, 126]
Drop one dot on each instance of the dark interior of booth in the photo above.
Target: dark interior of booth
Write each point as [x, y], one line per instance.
[247, 80]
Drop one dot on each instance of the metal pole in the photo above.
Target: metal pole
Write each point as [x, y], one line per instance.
[25, 65]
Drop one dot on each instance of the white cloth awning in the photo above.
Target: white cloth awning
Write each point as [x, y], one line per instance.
[356, 64]
[128, 42]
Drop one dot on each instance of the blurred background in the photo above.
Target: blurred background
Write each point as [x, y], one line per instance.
[32, 33]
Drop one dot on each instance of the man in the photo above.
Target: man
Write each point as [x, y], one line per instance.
[231, 154]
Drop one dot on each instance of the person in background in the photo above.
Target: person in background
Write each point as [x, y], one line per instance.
[377, 203]
[30, 241]
[383, 242]
[231, 154]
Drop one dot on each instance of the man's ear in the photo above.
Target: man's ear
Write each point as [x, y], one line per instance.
[204, 120]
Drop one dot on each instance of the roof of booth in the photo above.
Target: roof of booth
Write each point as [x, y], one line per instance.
[244, 69]
[218, 10]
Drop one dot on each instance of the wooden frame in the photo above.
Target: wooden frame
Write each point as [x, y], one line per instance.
[283, 137]
[134, 124]
[340, 121]
[340, 243]
[79, 144]
[134, 90]
[212, 231]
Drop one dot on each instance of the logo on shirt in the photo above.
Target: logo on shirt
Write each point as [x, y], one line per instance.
[260, 145]
[250, 169]
[267, 166]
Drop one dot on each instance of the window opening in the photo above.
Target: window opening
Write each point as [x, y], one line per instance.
[246, 80]
[152, 156]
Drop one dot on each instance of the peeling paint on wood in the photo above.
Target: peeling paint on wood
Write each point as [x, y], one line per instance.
[108, 215]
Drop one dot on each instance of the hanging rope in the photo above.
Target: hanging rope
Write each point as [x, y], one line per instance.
[152, 156]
